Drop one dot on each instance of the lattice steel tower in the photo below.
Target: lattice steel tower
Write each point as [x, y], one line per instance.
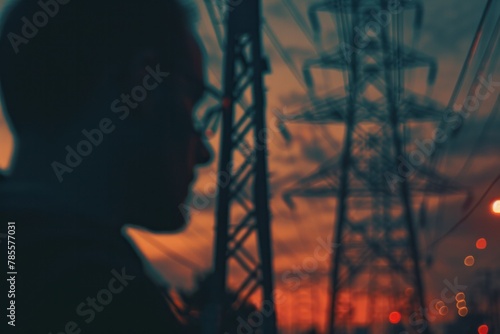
[243, 237]
[381, 170]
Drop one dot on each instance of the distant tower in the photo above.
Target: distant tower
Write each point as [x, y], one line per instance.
[381, 171]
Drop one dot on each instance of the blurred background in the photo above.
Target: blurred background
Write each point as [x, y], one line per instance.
[298, 148]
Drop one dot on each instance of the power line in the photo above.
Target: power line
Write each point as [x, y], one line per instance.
[487, 124]
[467, 215]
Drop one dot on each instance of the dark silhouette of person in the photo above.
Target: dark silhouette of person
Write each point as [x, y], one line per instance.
[99, 95]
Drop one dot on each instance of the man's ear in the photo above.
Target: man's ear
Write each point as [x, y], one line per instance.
[144, 77]
[140, 63]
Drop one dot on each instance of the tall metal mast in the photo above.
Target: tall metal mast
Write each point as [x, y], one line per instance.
[243, 236]
[380, 168]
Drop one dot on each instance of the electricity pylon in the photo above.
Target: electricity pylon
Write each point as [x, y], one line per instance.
[381, 168]
[243, 236]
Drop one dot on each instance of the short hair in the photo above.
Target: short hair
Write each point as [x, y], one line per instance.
[44, 75]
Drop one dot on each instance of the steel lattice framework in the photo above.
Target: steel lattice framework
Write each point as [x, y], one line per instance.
[378, 172]
[243, 239]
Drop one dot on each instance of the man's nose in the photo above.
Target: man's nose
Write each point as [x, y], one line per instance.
[203, 152]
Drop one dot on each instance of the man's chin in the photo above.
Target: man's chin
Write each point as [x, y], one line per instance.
[161, 219]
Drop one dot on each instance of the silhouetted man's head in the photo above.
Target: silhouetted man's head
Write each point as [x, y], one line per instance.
[103, 90]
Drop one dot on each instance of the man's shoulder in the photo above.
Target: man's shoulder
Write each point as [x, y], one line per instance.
[77, 275]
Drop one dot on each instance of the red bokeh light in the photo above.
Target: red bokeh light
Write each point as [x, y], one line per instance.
[483, 329]
[395, 317]
[481, 243]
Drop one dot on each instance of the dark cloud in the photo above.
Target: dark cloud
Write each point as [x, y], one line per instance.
[449, 27]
